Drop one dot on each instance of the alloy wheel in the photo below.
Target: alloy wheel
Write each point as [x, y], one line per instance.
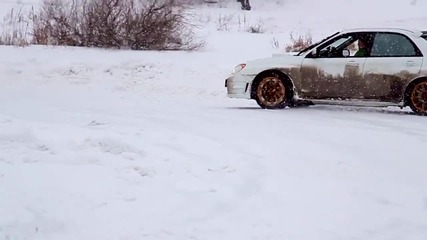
[271, 92]
[419, 97]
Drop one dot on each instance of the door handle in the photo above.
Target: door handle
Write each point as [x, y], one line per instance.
[353, 64]
[409, 63]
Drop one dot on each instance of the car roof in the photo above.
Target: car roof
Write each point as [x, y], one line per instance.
[410, 31]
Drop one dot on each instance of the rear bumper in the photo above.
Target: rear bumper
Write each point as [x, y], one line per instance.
[238, 86]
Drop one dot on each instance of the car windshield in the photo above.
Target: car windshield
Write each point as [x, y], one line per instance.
[315, 44]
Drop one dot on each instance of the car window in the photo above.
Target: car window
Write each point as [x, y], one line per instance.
[392, 45]
[350, 42]
[337, 42]
[316, 44]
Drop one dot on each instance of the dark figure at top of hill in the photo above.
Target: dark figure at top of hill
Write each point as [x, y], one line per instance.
[245, 4]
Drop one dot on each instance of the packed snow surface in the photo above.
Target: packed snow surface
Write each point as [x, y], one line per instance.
[115, 144]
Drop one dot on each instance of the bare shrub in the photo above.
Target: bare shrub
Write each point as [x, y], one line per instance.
[59, 23]
[275, 43]
[131, 24]
[299, 43]
[243, 21]
[16, 28]
[160, 26]
[223, 22]
[257, 28]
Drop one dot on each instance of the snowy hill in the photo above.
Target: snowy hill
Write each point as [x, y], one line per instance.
[109, 144]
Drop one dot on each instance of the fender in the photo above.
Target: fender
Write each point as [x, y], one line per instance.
[279, 71]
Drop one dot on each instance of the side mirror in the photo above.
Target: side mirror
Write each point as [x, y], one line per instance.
[345, 52]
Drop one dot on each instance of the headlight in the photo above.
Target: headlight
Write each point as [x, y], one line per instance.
[239, 68]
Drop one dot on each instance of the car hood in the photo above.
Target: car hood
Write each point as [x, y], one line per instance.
[280, 61]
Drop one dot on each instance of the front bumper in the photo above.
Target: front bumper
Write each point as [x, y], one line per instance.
[238, 86]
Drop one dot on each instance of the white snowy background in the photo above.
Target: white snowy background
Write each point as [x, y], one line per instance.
[109, 144]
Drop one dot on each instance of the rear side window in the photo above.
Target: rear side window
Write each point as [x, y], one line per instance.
[392, 45]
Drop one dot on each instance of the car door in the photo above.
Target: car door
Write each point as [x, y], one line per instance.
[332, 74]
[393, 62]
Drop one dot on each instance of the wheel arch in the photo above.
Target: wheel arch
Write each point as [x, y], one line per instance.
[408, 88]
[285, 78]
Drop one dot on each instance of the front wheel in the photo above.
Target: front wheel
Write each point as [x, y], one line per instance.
[418, 98]
[271, 92]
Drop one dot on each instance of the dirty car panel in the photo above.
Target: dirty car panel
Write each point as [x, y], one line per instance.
[386, 78]
[331, 77]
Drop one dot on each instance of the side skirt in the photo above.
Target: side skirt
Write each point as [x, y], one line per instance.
[354, 103]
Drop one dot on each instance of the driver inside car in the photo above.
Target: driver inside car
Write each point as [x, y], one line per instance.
[363, 50]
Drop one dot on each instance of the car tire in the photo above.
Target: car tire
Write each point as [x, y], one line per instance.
[272, 91]
[417, 97]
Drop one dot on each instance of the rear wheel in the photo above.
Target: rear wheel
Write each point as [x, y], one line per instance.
[271, 92]
[418, 98]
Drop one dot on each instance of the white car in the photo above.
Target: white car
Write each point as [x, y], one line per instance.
[356, 67]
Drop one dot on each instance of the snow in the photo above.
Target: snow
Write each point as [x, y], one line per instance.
[108, 144]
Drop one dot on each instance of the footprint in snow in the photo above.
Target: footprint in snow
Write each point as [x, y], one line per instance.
[95, 123]
[5, 121]
[115, 147]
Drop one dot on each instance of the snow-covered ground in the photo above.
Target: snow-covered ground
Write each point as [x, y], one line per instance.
[106, 144]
